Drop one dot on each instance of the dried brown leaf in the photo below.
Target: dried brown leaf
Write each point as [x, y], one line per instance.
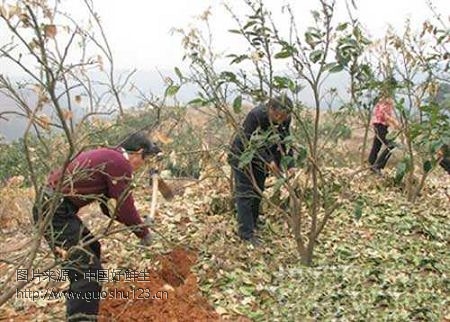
[50, 31]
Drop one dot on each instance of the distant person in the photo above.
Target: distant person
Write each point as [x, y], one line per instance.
[94, 175]
[250, 180]
[443, 157]
[383, 118]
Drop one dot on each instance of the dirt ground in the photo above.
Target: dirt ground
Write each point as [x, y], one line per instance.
[173, 290]
[168, 294]
[170, 291]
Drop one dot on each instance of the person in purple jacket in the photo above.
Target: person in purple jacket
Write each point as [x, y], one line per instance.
[94, 175]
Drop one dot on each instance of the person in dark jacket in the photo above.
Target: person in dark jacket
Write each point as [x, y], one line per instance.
[94, 175]
[270, 122]
[443, 157]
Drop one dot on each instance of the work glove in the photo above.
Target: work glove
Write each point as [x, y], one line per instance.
[291, 172]
[149, 221]
[274, 168]
[146, 240]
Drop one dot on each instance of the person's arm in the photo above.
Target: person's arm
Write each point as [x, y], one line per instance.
[104, 206]
[279, 150]
[285, 133]
[119, 181]
[254, 120]
[392, 122]
[388, 111]
[251, 123]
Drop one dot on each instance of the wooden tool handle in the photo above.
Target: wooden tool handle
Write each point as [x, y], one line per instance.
[155, 180]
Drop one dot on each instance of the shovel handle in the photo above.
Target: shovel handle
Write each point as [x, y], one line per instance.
[154, 196]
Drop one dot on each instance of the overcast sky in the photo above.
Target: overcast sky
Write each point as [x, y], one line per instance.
[139, 31]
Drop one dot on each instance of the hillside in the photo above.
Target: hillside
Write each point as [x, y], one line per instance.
[391, 261]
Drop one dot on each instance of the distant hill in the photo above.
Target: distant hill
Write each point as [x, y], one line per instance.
[148, 81]
[14, 126]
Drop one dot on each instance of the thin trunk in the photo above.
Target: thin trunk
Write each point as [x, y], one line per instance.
[364, 146]
[419, 187]
[410, 186]
[315, 202]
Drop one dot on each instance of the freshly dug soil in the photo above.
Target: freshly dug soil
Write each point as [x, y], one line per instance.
[170, 294]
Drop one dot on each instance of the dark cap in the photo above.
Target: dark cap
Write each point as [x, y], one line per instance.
[281, 103]
[139, 140]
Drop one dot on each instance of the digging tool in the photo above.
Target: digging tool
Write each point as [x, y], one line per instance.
[165, 189]
[158, 184]
[154, 179]
[161, 186]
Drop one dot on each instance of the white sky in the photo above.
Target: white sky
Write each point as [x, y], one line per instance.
[138, 30]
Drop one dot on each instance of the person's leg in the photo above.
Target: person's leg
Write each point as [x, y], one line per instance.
[256, 204]
[83, 267]
[83, 264]
[388, 147]
[66, 231]
[445, 164]
[244, 196]
[376, 145]
[259, 176]
[385, 155]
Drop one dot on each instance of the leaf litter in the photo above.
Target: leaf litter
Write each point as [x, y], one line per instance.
[392, 262]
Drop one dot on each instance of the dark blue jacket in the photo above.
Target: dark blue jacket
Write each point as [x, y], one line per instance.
[257, 122]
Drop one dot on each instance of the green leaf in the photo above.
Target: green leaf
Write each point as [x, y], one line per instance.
[178, 72]
[316, 55]
[358, 210]
[329, 66]
[286, 161]
[249, 24]
[294, 88]
[228, 76]
[400, 172]
[427, 166]
[237, 104]
[283, 82]
[302, 154]
[234, 31]
[336, 69]
[238, 59]
[246, 157]
[198, 101]
[342, 26]
[313, 36]
[172, 90]
[283, 54]
[279, 183]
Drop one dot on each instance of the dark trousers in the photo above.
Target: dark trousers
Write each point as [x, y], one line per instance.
[66, 231]
[247, 182]
[379, 162]
[445, 164]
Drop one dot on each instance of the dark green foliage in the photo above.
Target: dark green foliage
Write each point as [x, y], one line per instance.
[12, 161]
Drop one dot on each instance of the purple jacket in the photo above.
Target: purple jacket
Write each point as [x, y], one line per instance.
[101, 174]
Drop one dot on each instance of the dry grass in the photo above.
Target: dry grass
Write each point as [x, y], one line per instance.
[15, 204]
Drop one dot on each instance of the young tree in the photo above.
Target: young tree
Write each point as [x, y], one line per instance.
[54, 57]
[420, 61]
[325, 48]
